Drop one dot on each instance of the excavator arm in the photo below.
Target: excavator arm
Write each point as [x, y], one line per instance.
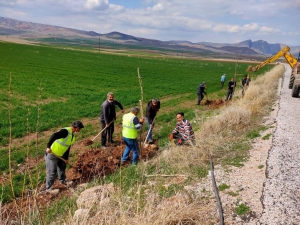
[285, 52]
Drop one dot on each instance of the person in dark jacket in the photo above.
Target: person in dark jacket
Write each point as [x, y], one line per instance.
[153, 107]
[58, 147]
[107, 117]
[231, 88]
[200, 92]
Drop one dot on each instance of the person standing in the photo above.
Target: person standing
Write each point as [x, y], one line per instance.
[153, 107]
[245, 84]
[223, 79]
[183, 132]
[231, 88]
[107, 117]
[59, 145]
[131, 127]
[200, 92]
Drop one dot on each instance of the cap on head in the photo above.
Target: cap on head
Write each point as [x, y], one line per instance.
[78, 124]
[135, 109]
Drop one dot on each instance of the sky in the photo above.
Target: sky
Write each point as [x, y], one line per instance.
[219, 21]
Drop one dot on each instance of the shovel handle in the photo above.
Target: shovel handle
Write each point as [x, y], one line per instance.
[61, 158]
[104, 128]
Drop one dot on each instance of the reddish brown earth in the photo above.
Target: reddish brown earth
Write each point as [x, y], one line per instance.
[92, 163]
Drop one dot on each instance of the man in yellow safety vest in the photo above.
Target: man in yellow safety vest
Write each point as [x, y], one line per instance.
[58, 147]
[131, 126]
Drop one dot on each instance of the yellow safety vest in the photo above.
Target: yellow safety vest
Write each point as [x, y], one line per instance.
[60, 146]
[129, 130]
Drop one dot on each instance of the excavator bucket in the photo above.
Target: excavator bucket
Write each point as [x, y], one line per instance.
[251, 69]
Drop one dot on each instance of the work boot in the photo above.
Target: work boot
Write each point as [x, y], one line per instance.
[68, 183]
[53, 191]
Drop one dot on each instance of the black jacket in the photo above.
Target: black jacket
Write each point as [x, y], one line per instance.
[108, 111]
[151, 112]
[201, 89]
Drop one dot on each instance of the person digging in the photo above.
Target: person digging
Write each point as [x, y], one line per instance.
[57, 154]
[183, 132]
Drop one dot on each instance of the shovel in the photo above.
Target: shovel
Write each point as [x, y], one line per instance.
[148, 133]
[61, 158]
[207, 101]
[89, 142]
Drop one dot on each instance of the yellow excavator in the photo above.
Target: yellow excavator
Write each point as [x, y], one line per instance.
[294, 83]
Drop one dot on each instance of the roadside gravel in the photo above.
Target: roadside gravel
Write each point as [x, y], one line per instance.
[281, 194]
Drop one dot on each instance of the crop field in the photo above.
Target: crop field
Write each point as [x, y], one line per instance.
[70, 84]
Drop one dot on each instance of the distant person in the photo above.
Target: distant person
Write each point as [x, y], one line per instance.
[153, 107]
[201, 92]
[183, 132]
[131, 127]
[223, 79]
[245, 84]
[231, 88]
[107, 118]
[60, 144]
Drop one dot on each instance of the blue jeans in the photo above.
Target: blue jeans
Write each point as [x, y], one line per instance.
[150, 132]
[131, 144]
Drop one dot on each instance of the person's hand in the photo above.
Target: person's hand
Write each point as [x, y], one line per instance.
[151, 126]
[171, 137]
[142, 120]
[180, 141]
[107, 125]
[48, 150]
[122, 110]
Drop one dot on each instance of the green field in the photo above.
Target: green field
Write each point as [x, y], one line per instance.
[75, 83]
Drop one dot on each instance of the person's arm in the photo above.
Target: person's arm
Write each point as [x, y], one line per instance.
[63, 133]
[176, 130]
[119, 105]
[137, 123]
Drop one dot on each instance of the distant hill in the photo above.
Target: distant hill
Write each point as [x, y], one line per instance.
[61, 35]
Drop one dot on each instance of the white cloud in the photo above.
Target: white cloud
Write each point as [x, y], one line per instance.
[269, 29]
[96, 4]
[157, 7]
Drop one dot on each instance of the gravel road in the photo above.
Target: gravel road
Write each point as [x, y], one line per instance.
[281, 192]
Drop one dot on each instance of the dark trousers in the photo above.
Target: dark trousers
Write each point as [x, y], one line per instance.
[222, 84]
[107, 134]
[229, 95]
[200, 97]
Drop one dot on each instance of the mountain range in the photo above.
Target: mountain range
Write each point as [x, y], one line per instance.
[36, 32]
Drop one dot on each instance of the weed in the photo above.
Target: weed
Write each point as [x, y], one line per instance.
[242, 209]
[260, 166]
[232, 193]
[223, 187]
[267, 137]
